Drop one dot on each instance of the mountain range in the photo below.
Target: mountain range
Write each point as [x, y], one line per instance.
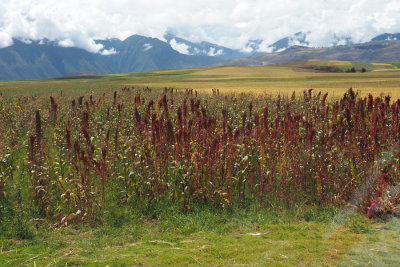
[47, 59]
[41, 59]
[374, 51]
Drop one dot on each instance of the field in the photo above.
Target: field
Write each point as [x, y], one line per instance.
[257, 80]
[220, 166]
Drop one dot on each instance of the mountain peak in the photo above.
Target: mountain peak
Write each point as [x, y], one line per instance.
[387, 37]
[202, 48]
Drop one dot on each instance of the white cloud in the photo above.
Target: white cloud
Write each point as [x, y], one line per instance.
[247, 49]
[147, 47]
[107, 52]
[5, 39]
[213, 52]
[265, 47]
[180, 47]
[226, 22]
[66, 43]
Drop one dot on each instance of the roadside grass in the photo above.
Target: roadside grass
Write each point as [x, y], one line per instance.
[245, 237]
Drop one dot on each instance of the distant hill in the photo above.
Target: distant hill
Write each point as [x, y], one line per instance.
[376, 51]
[341, 66]
[36, 60]
[42, 59]
[387, 37]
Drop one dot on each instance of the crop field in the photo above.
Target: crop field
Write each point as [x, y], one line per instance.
[260, 80]
[276, 165]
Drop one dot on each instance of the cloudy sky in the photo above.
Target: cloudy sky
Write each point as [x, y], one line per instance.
[226, 22]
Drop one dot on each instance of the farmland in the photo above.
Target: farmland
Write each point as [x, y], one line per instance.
[269, 80]
[213, 156]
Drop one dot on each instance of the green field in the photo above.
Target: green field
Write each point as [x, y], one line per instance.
[103, 171]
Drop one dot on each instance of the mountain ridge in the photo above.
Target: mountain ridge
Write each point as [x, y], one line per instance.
[374, 51]
[38, 60]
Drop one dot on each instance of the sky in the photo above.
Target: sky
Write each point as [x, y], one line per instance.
[229, 23]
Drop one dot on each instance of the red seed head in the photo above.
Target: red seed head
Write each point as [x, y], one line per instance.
[179, 117]
[265, 118]
[68, 136]
[324, 99]
[197, 104]
[184, 109]
[351, 93]
[278, 104]
[80, 100]
[137, 116]
[32, 145]
[104, 153]
[38, 124]
[256, 119]
[225, 115]
[169, 131]
[86, 134]
[192, 105]
[165, 103]
[309, 93]
[387, 100]
[52, 101]
[244, 117]
[370, 102]
[204, 112]
[76, 148]
[149, 106]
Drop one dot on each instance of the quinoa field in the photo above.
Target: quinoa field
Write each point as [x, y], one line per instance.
[166, 168]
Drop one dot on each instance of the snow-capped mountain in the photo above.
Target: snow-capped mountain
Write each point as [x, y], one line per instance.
[202, 48]
[297, 39]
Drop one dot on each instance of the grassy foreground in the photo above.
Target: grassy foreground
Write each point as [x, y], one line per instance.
[210, 238]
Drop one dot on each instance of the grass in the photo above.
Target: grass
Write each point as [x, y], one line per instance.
[206, 237]
[271, 80]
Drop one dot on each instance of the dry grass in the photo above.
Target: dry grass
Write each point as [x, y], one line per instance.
[339, 63]
[381, 64]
